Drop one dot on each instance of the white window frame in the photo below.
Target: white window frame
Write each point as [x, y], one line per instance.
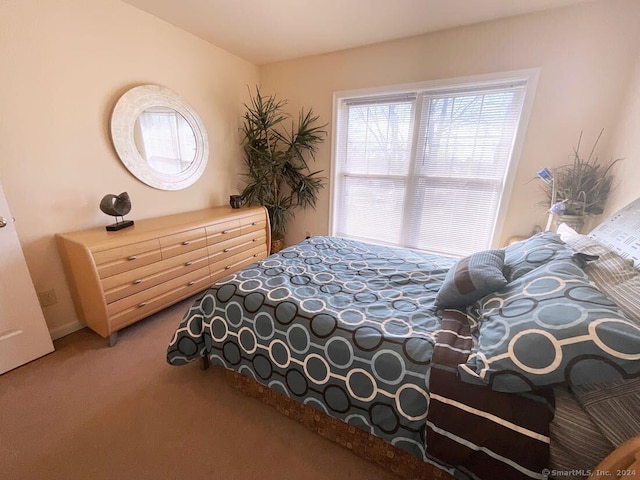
[530, 76]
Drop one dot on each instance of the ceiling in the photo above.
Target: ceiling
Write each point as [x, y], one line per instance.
[266, 31]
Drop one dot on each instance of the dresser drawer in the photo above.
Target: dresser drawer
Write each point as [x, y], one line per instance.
[124, 319]
[134, 281]
[228, 248]
[183, 242]
[222, 231]
[140, 304]
[220, 274]
[126, 257]
[253, 223]
[236, 261]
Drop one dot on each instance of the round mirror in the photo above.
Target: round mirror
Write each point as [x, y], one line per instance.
[159, 137]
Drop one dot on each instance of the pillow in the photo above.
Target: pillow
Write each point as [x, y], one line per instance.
[620, 232]
[581, 243]
[576, 441]
[522, 257]
[564, 231]
[614, 407]
[471, 279]
[613, 275]
[551, 327]
[625, 293]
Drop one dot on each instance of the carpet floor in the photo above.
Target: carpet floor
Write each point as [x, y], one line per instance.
[90, 412]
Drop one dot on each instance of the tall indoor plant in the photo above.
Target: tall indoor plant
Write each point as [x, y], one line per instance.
[276, 157]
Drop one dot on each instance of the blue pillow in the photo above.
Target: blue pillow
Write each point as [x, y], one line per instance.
[551, 327]
[527, 255]
[472, 278]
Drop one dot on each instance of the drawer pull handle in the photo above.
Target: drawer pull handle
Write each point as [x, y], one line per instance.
[254, 240]
[224, 232]
[254, 224]
[227, 267]
[186, 242]
[142, 304]
[137, 282]
[132, 257]
[255, 254]
[225, 250]
[191, 283]
[188, 264]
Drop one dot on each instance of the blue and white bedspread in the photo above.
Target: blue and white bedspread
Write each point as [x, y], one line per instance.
[343, 326]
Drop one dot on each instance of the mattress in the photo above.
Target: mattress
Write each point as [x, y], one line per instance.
[349, 329]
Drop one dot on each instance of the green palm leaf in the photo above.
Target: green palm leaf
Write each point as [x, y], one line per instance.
[277, 159]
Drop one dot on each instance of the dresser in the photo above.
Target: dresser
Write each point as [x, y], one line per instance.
[117, 278]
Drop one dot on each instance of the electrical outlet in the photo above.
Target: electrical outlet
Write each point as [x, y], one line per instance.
[47, 298]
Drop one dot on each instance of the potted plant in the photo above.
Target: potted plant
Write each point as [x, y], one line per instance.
[579, 188]
[278, 175]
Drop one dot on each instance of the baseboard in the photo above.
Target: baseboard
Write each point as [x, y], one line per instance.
[66, 329]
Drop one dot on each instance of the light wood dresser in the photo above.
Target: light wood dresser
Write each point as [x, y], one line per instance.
[117, 278]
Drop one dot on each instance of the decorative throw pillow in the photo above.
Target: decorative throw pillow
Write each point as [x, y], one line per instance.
[522, 257]
[613, 275]
[625, 293]
[581, 243]
[576, 441]
[614, 407]
[564, 231]
[551, 327]
[472, 278]
[620, 232]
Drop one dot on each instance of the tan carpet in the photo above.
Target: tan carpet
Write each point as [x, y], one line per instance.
[89, 412]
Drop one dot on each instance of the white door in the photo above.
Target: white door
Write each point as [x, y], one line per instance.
[23, 332]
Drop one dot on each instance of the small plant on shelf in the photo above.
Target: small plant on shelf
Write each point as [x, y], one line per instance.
[581, 187]
[277, 161]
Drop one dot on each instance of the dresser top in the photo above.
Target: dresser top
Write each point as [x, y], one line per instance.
[159, 226]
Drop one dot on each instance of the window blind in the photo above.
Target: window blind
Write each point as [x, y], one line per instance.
[425, 170]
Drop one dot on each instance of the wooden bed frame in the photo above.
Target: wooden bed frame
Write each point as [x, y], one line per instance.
[363, 444]
[622, 463]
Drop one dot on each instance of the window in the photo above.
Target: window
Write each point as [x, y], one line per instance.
[165, 140]
[425, 169]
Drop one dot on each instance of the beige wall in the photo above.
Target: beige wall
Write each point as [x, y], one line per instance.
[586, 55]
[626, 145]
[64, 63]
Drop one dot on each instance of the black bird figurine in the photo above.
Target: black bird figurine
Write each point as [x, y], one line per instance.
[117, 206]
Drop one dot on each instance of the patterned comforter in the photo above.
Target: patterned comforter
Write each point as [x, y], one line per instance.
[345, 327]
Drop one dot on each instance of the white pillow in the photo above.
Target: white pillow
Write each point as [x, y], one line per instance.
[565, 232]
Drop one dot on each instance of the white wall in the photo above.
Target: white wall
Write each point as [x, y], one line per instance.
[64, 64]
[586, 55]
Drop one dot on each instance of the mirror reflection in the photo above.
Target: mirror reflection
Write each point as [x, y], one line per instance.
[165, 140]
[159, 138]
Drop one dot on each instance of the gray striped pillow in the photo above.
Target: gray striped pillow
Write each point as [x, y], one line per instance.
[613, 275]
[577, 444]
[620, 232]
[614, 407]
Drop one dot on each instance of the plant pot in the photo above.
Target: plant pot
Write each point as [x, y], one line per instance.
[277, 245]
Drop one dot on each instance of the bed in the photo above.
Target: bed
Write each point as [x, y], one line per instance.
[462, 367]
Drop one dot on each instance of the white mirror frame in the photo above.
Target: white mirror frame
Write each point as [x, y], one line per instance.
[123, 119]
